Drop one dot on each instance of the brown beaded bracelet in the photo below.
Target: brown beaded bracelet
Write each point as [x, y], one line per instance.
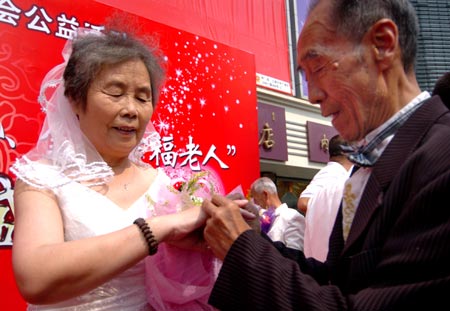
[148, 235]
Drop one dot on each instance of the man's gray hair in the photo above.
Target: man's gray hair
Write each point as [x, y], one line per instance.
[264, 184]
[353, 18]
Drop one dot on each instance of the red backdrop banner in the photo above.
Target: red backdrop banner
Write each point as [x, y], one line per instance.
[257, 26]
[207, 115]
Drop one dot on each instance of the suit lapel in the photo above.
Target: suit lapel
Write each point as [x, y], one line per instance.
[402, 145]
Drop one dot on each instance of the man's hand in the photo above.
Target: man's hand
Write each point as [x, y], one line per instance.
[225, 224]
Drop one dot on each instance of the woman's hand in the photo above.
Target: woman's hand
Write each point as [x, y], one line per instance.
[225, 224]
[193, 241]
[174, 227]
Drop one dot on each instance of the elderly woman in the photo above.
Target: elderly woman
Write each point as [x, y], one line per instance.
[86, 205]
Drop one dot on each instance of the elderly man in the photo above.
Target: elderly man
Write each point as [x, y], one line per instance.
[281, 223]
[390, 245]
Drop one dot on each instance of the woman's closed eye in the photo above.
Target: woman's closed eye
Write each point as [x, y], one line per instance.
[113, 91]
[144, 99]
[118, 94]
[143, 94]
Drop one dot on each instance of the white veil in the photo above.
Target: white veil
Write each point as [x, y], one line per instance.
[63, 153]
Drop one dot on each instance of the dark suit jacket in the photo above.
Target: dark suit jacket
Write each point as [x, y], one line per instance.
[397, 256]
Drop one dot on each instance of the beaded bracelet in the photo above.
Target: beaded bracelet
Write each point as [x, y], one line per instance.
[148, 235]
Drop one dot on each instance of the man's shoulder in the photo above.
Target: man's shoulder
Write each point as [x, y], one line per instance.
[289, 213]
[332, 168]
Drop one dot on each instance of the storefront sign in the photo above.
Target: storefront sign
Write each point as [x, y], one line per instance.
[272, 139]
[318, 138]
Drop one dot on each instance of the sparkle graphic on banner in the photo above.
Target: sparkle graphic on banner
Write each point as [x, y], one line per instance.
[210, 73]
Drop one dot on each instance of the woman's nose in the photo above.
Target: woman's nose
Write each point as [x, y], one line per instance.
[129, 106]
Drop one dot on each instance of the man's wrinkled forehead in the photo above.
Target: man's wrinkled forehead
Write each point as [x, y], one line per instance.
[318, 35]
[314, 41]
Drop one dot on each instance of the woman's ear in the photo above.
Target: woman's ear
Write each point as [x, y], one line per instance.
[383, 36]
[75, 108]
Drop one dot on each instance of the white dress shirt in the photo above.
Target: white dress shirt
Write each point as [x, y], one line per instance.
[321, 215]
[288, 227]
[326, 175]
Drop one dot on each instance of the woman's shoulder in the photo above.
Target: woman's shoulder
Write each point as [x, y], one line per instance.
[22, 186]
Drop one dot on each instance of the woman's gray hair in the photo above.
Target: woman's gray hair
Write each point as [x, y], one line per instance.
[90, 52]
[353, 18]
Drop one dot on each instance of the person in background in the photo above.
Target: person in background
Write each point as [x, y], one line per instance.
[390, 245]
[336, 167]
[442, 88]
[280, 222]
[88, 209]
[324, 205]
[289, 197]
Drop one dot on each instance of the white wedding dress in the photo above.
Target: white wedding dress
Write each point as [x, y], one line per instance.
[87, 213]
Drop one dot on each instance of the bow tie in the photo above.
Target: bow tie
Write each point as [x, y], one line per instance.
[359, 156]
[365, 155]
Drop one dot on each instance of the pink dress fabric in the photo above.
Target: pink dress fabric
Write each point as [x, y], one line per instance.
[180, 280]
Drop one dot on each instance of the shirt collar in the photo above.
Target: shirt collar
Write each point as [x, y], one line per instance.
[410, 106]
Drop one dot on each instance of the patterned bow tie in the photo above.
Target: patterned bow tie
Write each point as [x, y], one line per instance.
[359, 156]
[365, 155]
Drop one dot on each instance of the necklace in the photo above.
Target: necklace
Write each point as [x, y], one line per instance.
[125, 185]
